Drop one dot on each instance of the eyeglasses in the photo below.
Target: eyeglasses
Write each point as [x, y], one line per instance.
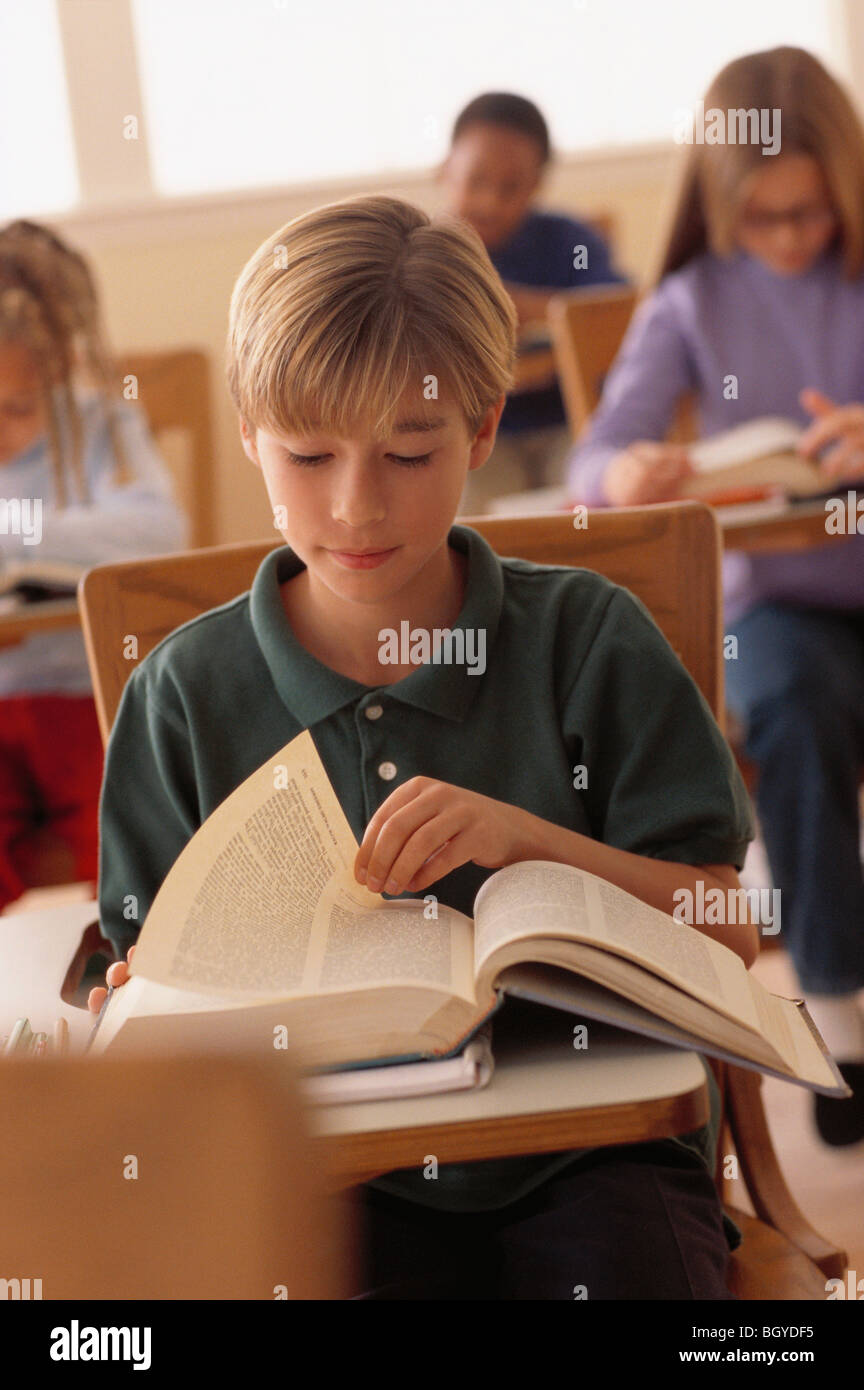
[808, 217]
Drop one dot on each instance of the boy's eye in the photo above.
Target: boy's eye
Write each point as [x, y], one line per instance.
[310, 460]
[304, 460]
[414, 461]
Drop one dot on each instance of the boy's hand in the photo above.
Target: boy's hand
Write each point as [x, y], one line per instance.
[116, 975]
[427, 820]
[646, 472]
[842, 426]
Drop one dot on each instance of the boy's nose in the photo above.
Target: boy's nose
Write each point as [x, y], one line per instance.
[357, 502]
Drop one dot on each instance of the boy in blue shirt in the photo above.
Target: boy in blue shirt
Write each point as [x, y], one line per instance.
[499, 152]
[369, 353]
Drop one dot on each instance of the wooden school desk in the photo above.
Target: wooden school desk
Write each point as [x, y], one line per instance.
[28, 618]
[755, 527]
[761, 527]
[544, 1095]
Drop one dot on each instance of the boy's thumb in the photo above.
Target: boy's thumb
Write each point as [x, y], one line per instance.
[816, 402]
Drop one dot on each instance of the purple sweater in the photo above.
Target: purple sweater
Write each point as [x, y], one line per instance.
[776, 334]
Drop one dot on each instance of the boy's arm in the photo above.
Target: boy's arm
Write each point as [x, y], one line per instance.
[663, 796]
[148, 810]
[654, 881]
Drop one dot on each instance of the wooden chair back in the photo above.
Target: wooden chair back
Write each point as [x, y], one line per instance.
[587, 329]
[186, 1178]
[605, 224]
[174, 391]
[667, 555]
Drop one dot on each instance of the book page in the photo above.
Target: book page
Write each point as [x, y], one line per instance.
[745, 443]
[262, 901]
[538, 899]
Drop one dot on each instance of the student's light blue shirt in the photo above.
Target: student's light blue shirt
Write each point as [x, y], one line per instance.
[115, 523]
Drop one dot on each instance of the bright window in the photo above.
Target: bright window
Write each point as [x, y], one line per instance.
[37, 162]
[241, 93]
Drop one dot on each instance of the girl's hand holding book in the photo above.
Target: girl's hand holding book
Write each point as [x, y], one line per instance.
[116, 975]
[841, 427]
[646, 472]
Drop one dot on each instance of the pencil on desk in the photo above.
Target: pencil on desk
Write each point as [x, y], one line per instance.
[99, 1017]
[60, 1038]
[20, 1038]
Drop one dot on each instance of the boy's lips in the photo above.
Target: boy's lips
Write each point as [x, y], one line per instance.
[362, 559]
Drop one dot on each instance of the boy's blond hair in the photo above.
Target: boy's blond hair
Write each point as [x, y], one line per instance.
[347, 307]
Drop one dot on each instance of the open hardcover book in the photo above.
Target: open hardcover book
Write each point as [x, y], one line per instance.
[260, 932]
[42, 579]
[752, 460]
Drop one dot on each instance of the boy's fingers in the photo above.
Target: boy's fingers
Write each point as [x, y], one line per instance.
[438, 865]
[390, 848]
[118, 973]
[130, 953]
[397, 801]
[426, 845]
[96, 998]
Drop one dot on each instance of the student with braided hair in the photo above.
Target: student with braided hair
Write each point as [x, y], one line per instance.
[78, 456]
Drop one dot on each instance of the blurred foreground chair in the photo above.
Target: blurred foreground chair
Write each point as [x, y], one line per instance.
[225, 1203]
[669, 556]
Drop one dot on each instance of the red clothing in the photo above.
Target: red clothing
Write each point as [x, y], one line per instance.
[50, 776]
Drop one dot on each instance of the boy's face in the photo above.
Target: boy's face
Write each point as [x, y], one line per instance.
[490, 178]
[366, 516]
[22, 402]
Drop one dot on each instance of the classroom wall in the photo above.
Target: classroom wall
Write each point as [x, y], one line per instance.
[166, 274]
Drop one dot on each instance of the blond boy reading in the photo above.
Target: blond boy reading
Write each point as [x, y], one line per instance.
[369, 354]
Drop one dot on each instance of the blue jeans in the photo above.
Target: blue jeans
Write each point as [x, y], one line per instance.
[798, 687]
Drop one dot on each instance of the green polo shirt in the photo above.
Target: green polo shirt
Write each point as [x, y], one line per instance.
[576, 674]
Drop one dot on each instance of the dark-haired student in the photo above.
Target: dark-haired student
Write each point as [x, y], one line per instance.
[500, 150]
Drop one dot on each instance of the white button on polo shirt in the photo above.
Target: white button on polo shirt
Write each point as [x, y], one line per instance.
[374, 711]
[387, 771]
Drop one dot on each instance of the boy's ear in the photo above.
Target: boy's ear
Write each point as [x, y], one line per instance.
[247, 437]
[484, 440]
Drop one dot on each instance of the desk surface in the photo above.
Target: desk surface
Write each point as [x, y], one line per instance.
[36, 950]
[52, 615]
[544, 1095]
[773, 525]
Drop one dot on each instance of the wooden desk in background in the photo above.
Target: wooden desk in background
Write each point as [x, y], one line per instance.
[761, 528]
[544, 1095]
[755, 527]
[53, 615]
